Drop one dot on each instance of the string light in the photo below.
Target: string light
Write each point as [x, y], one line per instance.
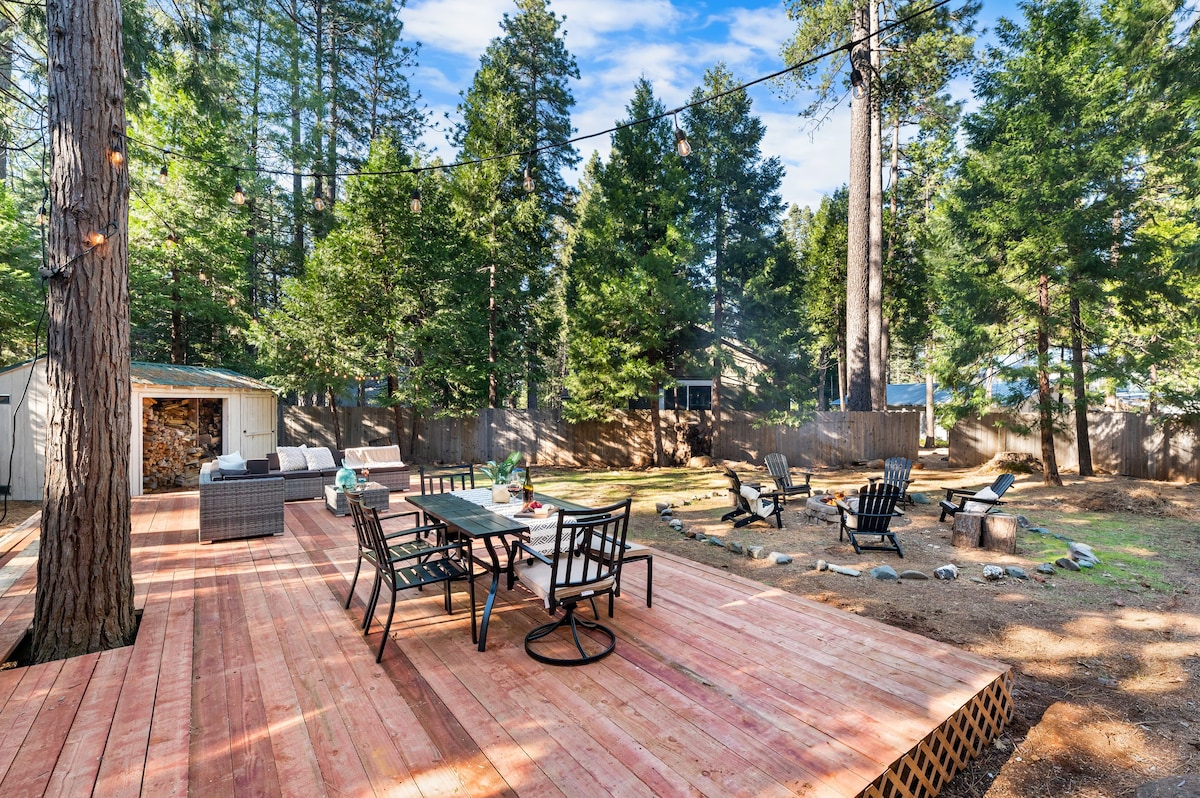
[239, 196]
[171, 240]
[681, 143]
[319, 203]
[115, 156]
[415, 205]
[96, 238]
[232, 301]
[42, 217]
[527, 182]
[162, 175]
[856, 83]
[202, 277]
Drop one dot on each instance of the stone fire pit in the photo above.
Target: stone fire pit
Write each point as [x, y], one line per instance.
[818, 511]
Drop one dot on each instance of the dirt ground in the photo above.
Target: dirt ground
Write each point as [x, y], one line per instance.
[1105, 661]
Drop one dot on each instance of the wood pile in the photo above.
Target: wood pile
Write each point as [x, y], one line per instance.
[177, 436]
[991, 531]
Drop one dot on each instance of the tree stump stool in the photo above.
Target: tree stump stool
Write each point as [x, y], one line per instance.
[968, 529]
[999, 533]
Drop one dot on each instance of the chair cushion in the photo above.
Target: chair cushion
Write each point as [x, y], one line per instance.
[980, 507]
[319, 458]
[749, 493]
[291, 458]
[372, 456]
[535, 575]
[231, 462]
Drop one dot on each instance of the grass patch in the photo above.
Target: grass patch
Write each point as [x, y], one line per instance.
[1130, 551]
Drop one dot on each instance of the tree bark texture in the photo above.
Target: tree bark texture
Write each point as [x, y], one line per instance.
[875, 229]
[84, 599]
[1083, 443]
[858, 349]
[1045, 399]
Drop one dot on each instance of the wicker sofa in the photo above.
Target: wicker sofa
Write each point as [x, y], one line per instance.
[231, 509]
[384, 463]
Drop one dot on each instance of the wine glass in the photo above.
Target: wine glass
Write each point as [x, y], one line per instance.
[514, 486]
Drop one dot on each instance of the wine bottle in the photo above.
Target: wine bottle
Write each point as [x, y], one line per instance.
[527, 487]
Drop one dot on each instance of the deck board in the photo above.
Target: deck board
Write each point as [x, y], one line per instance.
[249, 677]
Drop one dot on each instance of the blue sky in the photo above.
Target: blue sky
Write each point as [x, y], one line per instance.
[672, 44]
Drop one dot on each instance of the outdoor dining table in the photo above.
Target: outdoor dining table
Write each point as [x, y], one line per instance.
[471, 514]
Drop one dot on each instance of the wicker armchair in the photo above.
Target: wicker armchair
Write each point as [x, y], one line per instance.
[243, 508]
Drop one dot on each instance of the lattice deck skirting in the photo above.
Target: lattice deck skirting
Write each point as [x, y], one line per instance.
[928, 767]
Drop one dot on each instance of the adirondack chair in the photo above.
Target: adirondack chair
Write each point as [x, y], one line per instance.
[895, 473]
[785, 486]
[752, 504]
[870, 516]
[983, 500]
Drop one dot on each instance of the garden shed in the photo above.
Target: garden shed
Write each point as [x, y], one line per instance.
[180, 417]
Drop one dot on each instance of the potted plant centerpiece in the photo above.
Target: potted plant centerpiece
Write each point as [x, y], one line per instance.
[499, 472]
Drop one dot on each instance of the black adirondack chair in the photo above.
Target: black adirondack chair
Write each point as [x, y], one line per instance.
[896, 472]
[980, 500]
[871, 517]
[751, 505]
[785, 485]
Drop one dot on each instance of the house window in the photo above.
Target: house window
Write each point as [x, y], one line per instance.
[688, 395]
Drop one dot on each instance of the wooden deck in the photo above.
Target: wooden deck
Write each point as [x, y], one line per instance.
[249, 678]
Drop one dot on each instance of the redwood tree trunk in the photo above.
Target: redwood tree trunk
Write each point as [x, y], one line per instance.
[875, 326]
[1045, 399]
[84, 599]
[1083, 443]
[858, 349]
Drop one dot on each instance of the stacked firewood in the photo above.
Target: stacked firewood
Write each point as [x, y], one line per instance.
[171, 450]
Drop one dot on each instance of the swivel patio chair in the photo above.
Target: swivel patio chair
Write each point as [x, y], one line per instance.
[984, 500]
[785, 486]
[584, 564]
[895, 473]
[869, 515]
[401, 570]
[752, 504]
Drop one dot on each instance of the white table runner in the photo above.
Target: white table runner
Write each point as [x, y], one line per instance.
[542, 531]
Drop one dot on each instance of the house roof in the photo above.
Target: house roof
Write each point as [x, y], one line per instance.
[182, 376]
[912, 394]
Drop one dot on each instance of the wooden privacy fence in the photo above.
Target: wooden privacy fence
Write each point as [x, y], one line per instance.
[1133, 444]
[831, 439]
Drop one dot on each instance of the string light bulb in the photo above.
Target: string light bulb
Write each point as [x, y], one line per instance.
[162, 175]
[415, 205]
[42, 217]
[857, 83]
[318, 203]
[232, 301]
[115, 156]
[681, 143]
[96, 238]
[527, 182]
[202, 276]
[239, 196]
[171, 240]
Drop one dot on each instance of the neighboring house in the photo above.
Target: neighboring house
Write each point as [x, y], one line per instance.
[180, 416]
[692, 371]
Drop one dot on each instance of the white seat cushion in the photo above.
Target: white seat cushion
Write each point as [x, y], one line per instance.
[535, 575]
[372, 456]
[980, 507]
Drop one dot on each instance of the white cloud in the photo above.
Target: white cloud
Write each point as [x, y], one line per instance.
[460, 26]
[589, 22]
[817, 161]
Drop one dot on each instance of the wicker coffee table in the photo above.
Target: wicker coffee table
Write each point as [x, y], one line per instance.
[374, 495]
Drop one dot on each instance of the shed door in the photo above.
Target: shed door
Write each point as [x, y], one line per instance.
[6, 441]
[258, 426]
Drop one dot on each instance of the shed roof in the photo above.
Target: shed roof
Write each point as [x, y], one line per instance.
[192, 377]
[181, 376]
